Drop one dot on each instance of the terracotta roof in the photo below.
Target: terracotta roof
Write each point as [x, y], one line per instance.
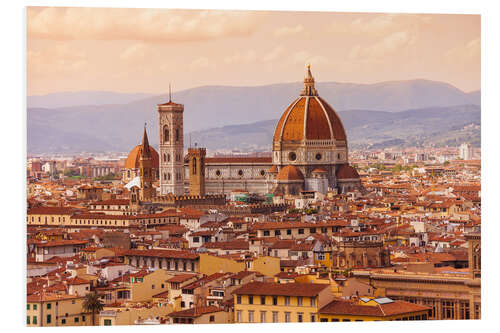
[182, 277]
[110, 202]
[77, 280]
[319, 170]
[345, 171]
[195, 312]
[273, 169]
[320, 123]
[278, 289]
[132, 161]
[162, 254]
[347, 307]
[60, 243]
[52, 211]
[290, 172]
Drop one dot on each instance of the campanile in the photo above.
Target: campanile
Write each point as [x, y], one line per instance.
[171, 134]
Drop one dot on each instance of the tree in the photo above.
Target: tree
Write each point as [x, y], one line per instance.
[93, 304]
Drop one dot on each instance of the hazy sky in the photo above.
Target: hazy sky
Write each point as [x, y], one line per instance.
[142, 50]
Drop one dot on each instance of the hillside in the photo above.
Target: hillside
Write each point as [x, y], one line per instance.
[118, 127]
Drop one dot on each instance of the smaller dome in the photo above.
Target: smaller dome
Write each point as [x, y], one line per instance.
[132, 161]
[290, 172]
[273, 169]
[319, 170]
[345, 171]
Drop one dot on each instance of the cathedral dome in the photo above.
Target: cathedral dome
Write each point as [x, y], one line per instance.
[345, 171]
[290, 172]
[309, 117]
[132, 161]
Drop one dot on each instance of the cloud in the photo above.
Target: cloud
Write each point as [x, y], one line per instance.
[380, 25]
[389, 45]
[201, 63]
[55, 61]
[238, 57]
[149, 25]
[304, 57]
[135, 52]
[467, 55]
[276, 53]
[288, 31]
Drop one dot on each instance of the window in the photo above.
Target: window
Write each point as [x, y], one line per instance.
[152, 286]
[262, 299]
[49, 305]
[312, 301]
[448, 309]
[275, 316]
[83, 318]
[300, 317]
[27, 306]
[166, 134]
[177, 134]
[301, 231]
[313, 318]
[289, 231]
[212, 319]
[346, 319]
[238, 316]
[238, 299]
[324, 230]
[287, 300]
[263, 316]
[266, 232]
[299, 301]
[335, 319]
[196, 239]
[240, 173]
[312, 230]
[250, 316]
[275, 300]
[287, 317]
[27, 320]
[34, 320]
[63, 321]
[107, 322]
[292, 156]
[76, 319]
[324, 320]
[162, 286]
[277, 232]
[250, 299]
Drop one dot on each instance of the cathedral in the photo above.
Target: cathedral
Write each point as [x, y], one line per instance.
[309, 153]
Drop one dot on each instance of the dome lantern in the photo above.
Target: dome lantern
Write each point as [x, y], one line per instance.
[309, 89]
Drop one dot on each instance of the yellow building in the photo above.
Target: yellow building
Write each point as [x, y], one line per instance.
[269, 302]
[210, 264]
[127, 315]
[56, 310]
[372, 309]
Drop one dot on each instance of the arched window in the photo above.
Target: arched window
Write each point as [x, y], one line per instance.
[166, 134]
[164, 157]
[194, 166]
[168, 176]
[176, 134]
[168, 157]
[128, 173]
[164, 176]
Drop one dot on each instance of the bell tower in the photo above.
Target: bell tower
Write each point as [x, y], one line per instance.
[197, 171]
[171, 145]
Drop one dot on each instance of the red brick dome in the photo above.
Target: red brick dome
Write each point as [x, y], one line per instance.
[132, 161]
[345, 171]
[290, 172]
[309, 117]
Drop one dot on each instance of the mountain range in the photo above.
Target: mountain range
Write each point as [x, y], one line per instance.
[114, 121]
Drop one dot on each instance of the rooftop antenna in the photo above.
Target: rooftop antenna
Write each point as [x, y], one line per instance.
[169, 92]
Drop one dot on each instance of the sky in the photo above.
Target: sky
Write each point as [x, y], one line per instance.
[143, 50]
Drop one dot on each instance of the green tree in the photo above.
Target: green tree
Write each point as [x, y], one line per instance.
[92, 303]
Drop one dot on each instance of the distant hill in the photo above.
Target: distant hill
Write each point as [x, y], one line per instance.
[119, 126]
[65, 99]
[365, 129]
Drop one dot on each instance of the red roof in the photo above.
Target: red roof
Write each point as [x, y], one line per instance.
[162, 254]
